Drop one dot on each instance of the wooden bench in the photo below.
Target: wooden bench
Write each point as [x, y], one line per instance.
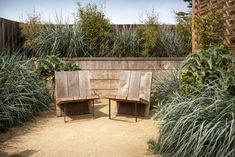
[73, 86]
[135, 88]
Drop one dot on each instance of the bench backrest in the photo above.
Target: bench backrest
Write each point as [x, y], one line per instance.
[135, 85]
[72, 84]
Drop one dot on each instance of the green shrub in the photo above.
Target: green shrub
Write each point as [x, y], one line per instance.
[210, 28]
[95, 28]
[30, 30]
[198, 125]
[148, 34]
[198, 118]
[22, 93]
[184, 28]
[206, 66]
[49, 64]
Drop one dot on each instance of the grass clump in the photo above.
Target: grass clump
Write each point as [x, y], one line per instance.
[22, 93]
[198, 119]
[125, 43]
[63, 40]
[198, 125]
[164, 86]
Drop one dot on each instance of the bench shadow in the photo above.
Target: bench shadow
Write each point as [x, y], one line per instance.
[89, 116]
[25, 153]
[130, 118]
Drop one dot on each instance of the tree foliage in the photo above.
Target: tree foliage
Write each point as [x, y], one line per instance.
[30, 30]
[209, 28]
[95, 27]
[148, 34]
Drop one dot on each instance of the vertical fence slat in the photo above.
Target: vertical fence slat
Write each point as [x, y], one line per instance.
[10, 35]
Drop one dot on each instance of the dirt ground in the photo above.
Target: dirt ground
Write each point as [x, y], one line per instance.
[82, 136]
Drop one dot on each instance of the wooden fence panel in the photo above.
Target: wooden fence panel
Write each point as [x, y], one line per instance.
[10, 34]
[200, 7]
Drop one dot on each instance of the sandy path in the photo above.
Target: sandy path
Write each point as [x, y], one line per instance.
[83, 136]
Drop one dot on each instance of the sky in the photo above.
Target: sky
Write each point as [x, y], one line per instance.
[118, 11]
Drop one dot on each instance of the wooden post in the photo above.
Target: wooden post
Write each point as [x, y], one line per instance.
[64, 113]
[93, 108]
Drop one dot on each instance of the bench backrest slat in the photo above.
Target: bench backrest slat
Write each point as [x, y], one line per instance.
[73, 85]
[134, 85]
[61, 86]
[124, 84]
[145, 85]
[84, 83]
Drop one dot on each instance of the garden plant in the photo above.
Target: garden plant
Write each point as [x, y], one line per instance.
[23, 93]
[198, 118]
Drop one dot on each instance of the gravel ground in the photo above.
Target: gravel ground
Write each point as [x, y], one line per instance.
[82, 136]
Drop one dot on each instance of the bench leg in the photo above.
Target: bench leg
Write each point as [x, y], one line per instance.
[135, 112]
[93, 103]
[109, 109]
[64, 113]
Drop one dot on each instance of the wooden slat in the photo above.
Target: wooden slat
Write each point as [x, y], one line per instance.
[145, 85]
[134, 84]
[73, 84]
[61, 85]
[124, 84]
[84, 83]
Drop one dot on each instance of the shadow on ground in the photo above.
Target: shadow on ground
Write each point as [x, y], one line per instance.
[25, 153]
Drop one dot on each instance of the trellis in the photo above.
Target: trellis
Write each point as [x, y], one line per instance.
[200, 7]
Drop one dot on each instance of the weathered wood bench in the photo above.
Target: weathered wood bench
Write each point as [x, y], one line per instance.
[134, 88]
[73, 86]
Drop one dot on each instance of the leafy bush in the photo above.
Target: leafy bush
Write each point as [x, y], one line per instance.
[206, 66]
[198, 124]
[184, 28]
[148, 34]
[198, 119]
[22, 93]
[63, 40]
[210, 28]
[96, 29]
[49, 64]
[30, 30]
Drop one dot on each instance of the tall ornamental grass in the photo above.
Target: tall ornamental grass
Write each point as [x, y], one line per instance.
[164, 85]
[63, 40]
[22, 93]
[124, 43]
[198, 125]
[198, 119]
[171, 43]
